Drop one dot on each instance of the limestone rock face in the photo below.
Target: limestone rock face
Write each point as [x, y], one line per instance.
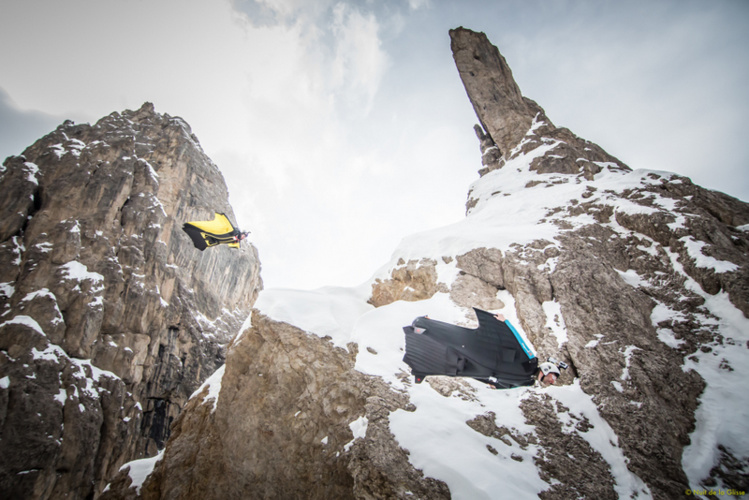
[629, 270]
[506, 116]
[109, 317]
[281, 427]
[413, 280]
[496, 98]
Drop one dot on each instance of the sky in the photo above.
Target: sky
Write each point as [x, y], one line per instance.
[342, 126]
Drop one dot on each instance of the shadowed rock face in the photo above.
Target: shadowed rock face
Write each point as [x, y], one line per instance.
[280, 429]
[110, 318]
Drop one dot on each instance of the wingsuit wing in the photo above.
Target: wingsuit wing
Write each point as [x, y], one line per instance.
[494, 350]
[208, 233]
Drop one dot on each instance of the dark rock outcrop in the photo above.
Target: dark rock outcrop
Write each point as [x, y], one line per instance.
[281, 428]
[110, 318]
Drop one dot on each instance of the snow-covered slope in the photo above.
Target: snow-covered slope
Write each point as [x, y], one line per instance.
[516, 207]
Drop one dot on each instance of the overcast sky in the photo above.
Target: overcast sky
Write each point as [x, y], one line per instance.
[342, 126]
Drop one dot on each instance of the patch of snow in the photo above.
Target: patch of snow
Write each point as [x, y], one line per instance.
[31, 171]
[594, 343]
[44, 247]
[660, 313]
[43, 292]
[61, 396]
[76, 271]
[601, 438]
[96, 374]
[151, 170]
[628, 360]
[555, 321]
[358, 429]
[58, 150]
[679, 223]
[139, 470]
[7, 290]
[694, 249]
[213, 383]
[633, 279]
[328, 311]
[26, 321]
[631, 208]
[4, 382]
[18, 249]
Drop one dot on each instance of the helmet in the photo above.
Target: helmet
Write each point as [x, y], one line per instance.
[549, 370]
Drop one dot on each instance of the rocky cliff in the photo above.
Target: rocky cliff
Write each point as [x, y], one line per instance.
[109, 317]
[637, 279]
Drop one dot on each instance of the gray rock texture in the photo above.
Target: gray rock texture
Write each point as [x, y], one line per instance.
[583, 271]
[109, 317]
[281, 429]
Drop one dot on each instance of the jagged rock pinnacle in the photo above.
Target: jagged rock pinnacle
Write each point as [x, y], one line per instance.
[504, 114]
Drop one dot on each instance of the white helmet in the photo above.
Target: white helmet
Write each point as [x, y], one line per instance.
[547, 368]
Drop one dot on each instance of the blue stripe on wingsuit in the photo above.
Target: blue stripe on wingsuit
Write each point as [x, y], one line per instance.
[520, 340]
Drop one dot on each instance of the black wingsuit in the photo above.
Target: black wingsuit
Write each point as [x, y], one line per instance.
[493, 352]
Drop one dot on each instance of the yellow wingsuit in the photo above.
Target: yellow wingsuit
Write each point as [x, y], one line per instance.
[208, 233]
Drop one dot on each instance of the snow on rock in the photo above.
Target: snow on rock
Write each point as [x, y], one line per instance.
[724, 409]
[694, 248]
[94, 273]
[553, 224]
[444, 447]
[555, 321]
[603, 439]
[329, 311]
[7, 290]
[26, 321]
[139, 470]
[358, 429]
[76, 271]
[213, 385]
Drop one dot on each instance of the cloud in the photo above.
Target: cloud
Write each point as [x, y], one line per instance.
[19, 128]
[359, 61]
